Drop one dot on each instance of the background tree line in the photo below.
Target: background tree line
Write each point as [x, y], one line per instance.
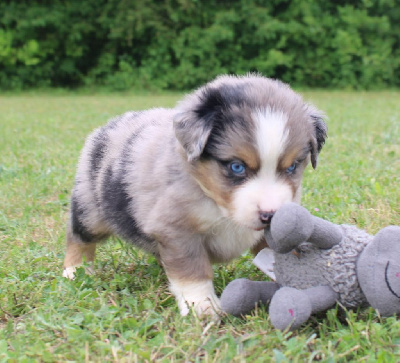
[177, 44]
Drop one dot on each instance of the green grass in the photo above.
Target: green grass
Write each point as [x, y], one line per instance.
[124, 312]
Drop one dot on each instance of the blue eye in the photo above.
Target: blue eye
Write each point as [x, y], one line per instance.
[291, 168]
[237, 168]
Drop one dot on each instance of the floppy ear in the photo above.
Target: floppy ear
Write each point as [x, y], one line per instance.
[194, 120]
[318, 139]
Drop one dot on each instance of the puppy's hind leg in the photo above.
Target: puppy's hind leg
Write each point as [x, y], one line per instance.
[77, 252]
[81, 242]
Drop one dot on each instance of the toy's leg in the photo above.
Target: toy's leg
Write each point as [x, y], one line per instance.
[241, 296]
[290, 307]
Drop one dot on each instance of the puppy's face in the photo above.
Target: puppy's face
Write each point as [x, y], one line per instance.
[248, 141]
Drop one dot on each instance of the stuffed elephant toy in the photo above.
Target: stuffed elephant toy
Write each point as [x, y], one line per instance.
[318, 264]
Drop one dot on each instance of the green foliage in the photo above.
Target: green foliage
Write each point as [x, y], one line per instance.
[178, 44]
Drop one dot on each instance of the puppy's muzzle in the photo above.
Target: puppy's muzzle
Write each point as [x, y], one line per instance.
[266, 217]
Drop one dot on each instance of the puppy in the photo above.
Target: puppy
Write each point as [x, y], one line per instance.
[197, 184]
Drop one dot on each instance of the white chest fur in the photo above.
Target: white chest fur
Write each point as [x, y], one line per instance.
[226, 240]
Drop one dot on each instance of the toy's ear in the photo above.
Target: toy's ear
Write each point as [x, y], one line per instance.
[195, 119]
[378, 271]
[318, 138]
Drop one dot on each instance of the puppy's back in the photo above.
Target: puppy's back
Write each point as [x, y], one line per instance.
[113, 158]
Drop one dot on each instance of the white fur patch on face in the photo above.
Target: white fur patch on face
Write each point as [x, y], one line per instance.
[197, 294]
[271, 138]
[265, 192]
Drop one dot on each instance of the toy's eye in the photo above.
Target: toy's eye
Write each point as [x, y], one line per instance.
[237, 168]
[291, 169]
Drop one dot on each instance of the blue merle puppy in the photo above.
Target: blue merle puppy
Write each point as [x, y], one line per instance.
[196, 184]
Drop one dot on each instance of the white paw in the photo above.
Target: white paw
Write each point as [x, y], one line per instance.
[69, 272]
[209, 306]
[199, 296]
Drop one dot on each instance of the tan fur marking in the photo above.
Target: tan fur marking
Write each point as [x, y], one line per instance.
[248, 154]
[208, 174]
[289, 157]
[76, 250]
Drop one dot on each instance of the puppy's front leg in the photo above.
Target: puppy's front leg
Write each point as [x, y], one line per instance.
[190, 273]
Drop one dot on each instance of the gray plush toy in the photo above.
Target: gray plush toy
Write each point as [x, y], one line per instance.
[331, 264]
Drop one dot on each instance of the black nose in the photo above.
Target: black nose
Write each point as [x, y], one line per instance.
[266, 217]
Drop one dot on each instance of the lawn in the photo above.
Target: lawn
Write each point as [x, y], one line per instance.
[124, 312]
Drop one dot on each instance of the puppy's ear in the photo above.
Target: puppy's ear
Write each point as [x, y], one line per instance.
[195, 119]
[318, 139]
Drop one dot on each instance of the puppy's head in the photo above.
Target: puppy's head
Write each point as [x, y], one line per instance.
[248, 140]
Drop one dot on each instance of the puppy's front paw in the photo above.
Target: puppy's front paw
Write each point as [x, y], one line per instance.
[69, 272]
[197, 295]
[208, 306]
